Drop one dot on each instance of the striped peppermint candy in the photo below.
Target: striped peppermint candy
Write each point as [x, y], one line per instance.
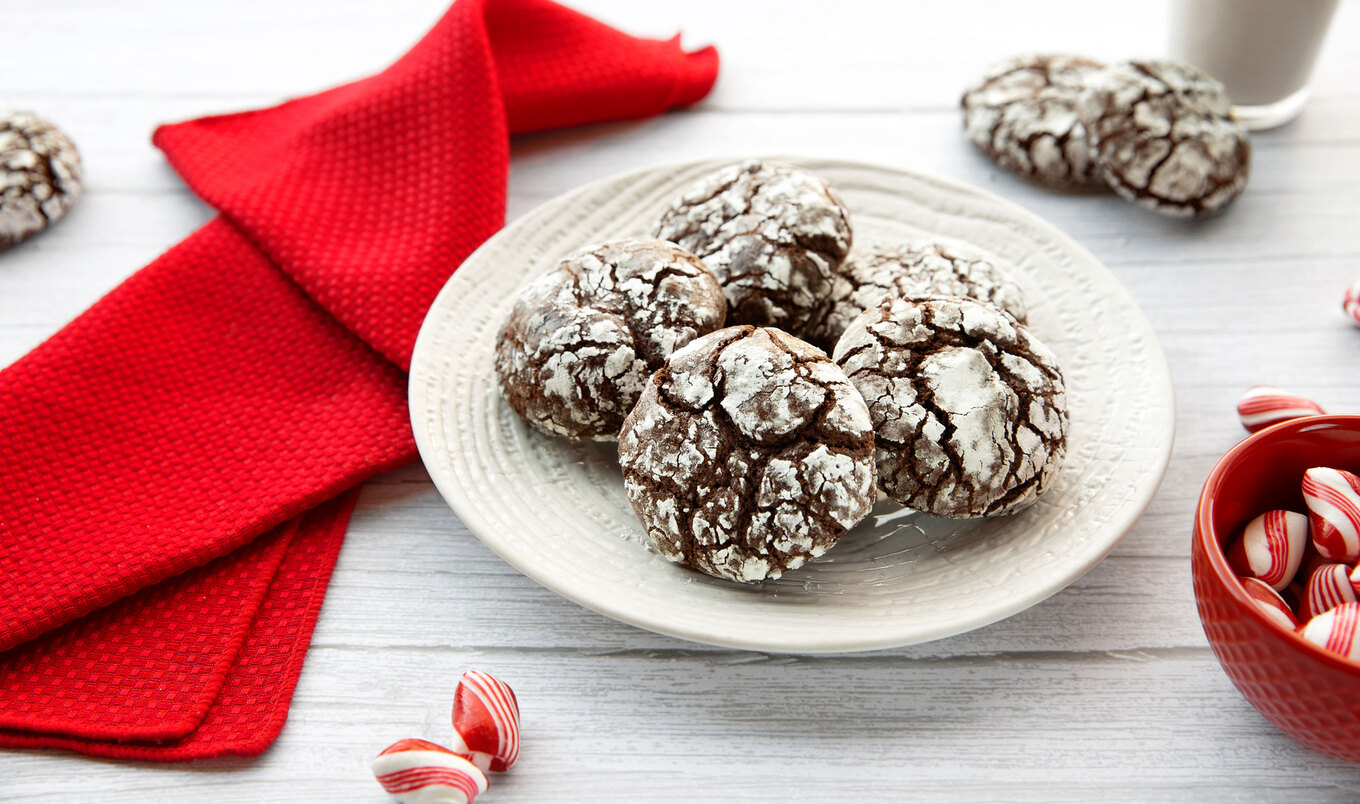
[1263, 405]
[1351, 303]
[1270, 603]
[1270, 548]
[1333, 499]
[1355, 581]
[1328, 587]
[1335, 630]
[420, 772]
[486, 721]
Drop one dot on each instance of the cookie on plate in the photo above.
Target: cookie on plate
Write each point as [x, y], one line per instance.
[969, 409]
[911, 269]
[39, 176]
[1024, 115]
[1162, 135]
[747, 454]
[582, 339]
[773, 235]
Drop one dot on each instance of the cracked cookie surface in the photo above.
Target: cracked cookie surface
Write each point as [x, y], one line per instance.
[910, 269]
[773, 235]
[582, 339]
[969, 409]
[1162, 135]
[39, 176]
[1024, 115]
[748, 453]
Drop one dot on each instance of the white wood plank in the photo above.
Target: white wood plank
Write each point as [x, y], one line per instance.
[864, 55]
[627, 725]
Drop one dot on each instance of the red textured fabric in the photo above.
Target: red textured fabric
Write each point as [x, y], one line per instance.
[168, 675]
[162, 553]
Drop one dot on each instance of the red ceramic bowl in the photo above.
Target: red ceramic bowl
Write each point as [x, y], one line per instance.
[1311, 694]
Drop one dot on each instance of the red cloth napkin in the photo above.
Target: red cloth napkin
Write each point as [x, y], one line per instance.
[177, 465]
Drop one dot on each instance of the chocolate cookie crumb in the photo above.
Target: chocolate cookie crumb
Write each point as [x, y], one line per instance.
[910, 269]
[747, 454]
[969, 408]
[772, 234]
[39, 176]
[582, 339]
[1162, 135]
[1024, 115]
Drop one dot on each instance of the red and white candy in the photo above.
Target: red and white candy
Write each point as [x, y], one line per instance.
[420, 772]
[486, 721]
[1328, 587]
[1351, 303]
[1333, 499]
[1335, 630]
[1264, 405]
[1270, 548]
[1270, 603]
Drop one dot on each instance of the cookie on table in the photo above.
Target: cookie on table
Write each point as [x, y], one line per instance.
[911, 269]
[39, 176]
[1162, 135]
[969, 408]
[1024, 115]
[582, 339]
[747, 454]
[773, 235]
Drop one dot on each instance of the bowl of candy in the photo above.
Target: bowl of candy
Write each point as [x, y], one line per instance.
[1274, 559]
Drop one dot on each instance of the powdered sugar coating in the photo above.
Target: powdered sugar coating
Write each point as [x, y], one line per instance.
[1024, 114]
[912, 269]
[39, 176]
[1162, 135]
[969, 408]
[747, 454]
[581, 340]
[772, 234]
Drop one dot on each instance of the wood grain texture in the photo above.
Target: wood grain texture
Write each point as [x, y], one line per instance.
[1107, 691]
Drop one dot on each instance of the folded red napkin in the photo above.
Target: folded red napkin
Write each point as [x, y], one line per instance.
[177, 465]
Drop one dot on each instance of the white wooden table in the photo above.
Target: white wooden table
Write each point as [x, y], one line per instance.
[1106, 691]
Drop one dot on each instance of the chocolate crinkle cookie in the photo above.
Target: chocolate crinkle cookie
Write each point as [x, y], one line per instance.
[773, 234]
[969, 409]
[1162, 135]
[39, 176]
[1024, 115]
[748, 453]
[582, 339]
[912, 269]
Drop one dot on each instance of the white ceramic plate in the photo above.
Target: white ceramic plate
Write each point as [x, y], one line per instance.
[556, 509]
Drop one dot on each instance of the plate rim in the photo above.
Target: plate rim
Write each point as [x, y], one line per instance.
[1146, 488]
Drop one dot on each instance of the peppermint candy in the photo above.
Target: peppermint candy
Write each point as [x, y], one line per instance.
[420, 772]
[1328, 587]
[1335, 630]
[1351, 303]
[485, 737]
[1269, 602]
[1333, 499]
[486, 721]
[1270, 548]
[1263, 405]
